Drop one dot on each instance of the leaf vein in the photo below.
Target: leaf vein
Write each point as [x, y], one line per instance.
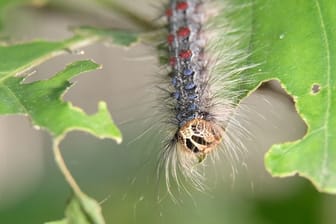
[324, 169]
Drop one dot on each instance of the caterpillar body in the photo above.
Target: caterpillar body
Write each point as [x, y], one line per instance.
[197, 133]
[205, 63]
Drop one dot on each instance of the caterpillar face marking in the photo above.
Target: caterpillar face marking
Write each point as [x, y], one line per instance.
[199, 137]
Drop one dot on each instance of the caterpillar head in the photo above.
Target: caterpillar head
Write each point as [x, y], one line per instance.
[200, 137]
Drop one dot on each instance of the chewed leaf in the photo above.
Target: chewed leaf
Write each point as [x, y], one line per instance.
[294, 41]
[81, 210]
[41, 101]
[19, 57]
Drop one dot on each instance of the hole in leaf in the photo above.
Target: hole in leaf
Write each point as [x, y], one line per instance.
[315, 89]
[276, 114]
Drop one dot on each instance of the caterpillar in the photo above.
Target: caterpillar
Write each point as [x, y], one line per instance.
[205, 63]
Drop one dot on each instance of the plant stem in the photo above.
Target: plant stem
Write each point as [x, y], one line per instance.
[64, 169]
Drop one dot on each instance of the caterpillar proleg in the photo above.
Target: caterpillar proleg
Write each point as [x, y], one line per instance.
[205, 61]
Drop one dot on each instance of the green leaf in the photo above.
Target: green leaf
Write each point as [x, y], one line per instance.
[41, 101]
[295, 42]
[81, 210]
[15, 59]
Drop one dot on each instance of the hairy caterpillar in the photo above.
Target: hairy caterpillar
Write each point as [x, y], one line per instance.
[205, 61]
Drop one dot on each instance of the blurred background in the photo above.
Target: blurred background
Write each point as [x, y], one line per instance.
[123, 177]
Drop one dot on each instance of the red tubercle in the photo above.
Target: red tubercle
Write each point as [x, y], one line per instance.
[172, 61]
[170, 38]
[183, 32]
[182, 6]
[185, 54]
[169, 12]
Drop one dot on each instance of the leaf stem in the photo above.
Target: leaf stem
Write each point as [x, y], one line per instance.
[64, 169]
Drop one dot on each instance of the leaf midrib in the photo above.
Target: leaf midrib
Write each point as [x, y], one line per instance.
[324, 170]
